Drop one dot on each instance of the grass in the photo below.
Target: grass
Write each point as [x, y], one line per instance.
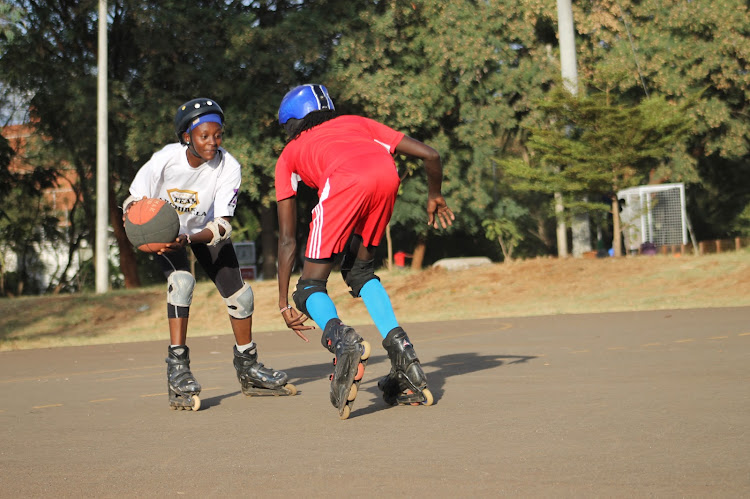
[543, 286]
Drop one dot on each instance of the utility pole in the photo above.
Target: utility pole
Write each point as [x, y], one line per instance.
[566, 34]
[102, 152]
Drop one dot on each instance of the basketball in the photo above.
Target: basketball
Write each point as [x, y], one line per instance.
[151, 223]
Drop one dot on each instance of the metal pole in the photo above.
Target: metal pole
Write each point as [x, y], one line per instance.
[569, 68]
[102, 170]
[566, 32]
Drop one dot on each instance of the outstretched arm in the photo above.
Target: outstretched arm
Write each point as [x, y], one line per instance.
[437, 208]
[287, 213]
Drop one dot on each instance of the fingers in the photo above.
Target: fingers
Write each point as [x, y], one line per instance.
[444, 218]
[295, 321]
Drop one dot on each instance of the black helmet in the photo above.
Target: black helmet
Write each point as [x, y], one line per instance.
[191, 110]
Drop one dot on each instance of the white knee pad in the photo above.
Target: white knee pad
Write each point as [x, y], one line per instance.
[180, 288]
[241, 304]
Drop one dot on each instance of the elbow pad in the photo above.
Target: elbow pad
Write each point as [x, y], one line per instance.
[214, 225]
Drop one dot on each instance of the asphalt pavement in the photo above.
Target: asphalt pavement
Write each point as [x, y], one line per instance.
[646, 404]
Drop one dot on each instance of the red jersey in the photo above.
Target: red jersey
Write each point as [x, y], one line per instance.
[349, 161]
[318, 152]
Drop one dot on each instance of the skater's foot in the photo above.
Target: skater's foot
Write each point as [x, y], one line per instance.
[351, 354]
[182, 386]
[255, 379]
[406, 383]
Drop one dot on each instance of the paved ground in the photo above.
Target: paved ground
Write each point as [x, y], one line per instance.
[649, 404]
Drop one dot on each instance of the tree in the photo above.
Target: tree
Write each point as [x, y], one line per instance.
[504, 228]
[681, 49]
[151, 71]
[602, 147]
[459, 76]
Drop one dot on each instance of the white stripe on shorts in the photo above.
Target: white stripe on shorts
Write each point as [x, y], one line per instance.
[316, 234]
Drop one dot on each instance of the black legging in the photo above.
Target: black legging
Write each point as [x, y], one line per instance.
[219, 262]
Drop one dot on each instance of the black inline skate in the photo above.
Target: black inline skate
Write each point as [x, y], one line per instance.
[351, 354]
[181, 384]
[406, 383]
[258, 380]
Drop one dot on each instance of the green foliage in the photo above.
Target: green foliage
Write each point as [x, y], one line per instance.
[664, 96]
[459, 76]
[741, 225]
[594, 146]
[504, 228]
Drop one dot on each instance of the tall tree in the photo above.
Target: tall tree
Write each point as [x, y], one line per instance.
[460, 76]
[679, 49]
[151, 71]
[602, 147]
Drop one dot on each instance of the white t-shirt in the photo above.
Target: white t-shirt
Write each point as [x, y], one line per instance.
[198, 194]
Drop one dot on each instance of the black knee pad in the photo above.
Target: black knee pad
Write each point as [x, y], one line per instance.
[306, 287]
[350, 255]
[361, 272]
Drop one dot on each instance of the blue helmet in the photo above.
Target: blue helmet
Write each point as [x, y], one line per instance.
[302, 100]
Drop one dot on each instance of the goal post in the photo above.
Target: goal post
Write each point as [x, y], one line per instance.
[654, 214]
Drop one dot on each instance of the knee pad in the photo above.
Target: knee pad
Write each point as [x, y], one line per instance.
[306, 287]
[180, 285]
[350, 255]
[361, 272]
[241, 304]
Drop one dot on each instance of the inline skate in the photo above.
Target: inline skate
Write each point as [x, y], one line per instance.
[406, 383]
[258, 380]
[181, 384]
[351, 354]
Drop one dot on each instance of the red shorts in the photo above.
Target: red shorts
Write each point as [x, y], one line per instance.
[358, 197]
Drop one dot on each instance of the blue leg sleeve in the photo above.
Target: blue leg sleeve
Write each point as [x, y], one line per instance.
[321, 309]
[379, 306]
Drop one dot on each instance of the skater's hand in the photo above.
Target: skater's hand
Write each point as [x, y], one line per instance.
[438, 211]
[179, 242]
[295, 320]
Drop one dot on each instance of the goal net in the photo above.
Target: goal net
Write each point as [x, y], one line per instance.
[654, 214]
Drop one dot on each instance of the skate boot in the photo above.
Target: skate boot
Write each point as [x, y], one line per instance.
[351, 354]
[181, 384]
[258, 380]
[406, 383]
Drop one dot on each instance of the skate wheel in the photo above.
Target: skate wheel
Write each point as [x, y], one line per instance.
[360, 372]
[196, 402]
[291, 389]
[428, 399]
[366, 350]
[352, 393]
[345, 413]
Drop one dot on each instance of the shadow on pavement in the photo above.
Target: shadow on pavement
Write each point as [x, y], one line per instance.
[438, 371]
[214, 401]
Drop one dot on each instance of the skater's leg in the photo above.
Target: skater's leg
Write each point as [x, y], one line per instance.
[379, 306]
[242, 329]
[180, 285]
[321, 309]
[359, 275]
[220, 264]
[311, 296]
[178, 330]
[350, 350]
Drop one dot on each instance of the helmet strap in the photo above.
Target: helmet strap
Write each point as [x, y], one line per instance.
[191, 146]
